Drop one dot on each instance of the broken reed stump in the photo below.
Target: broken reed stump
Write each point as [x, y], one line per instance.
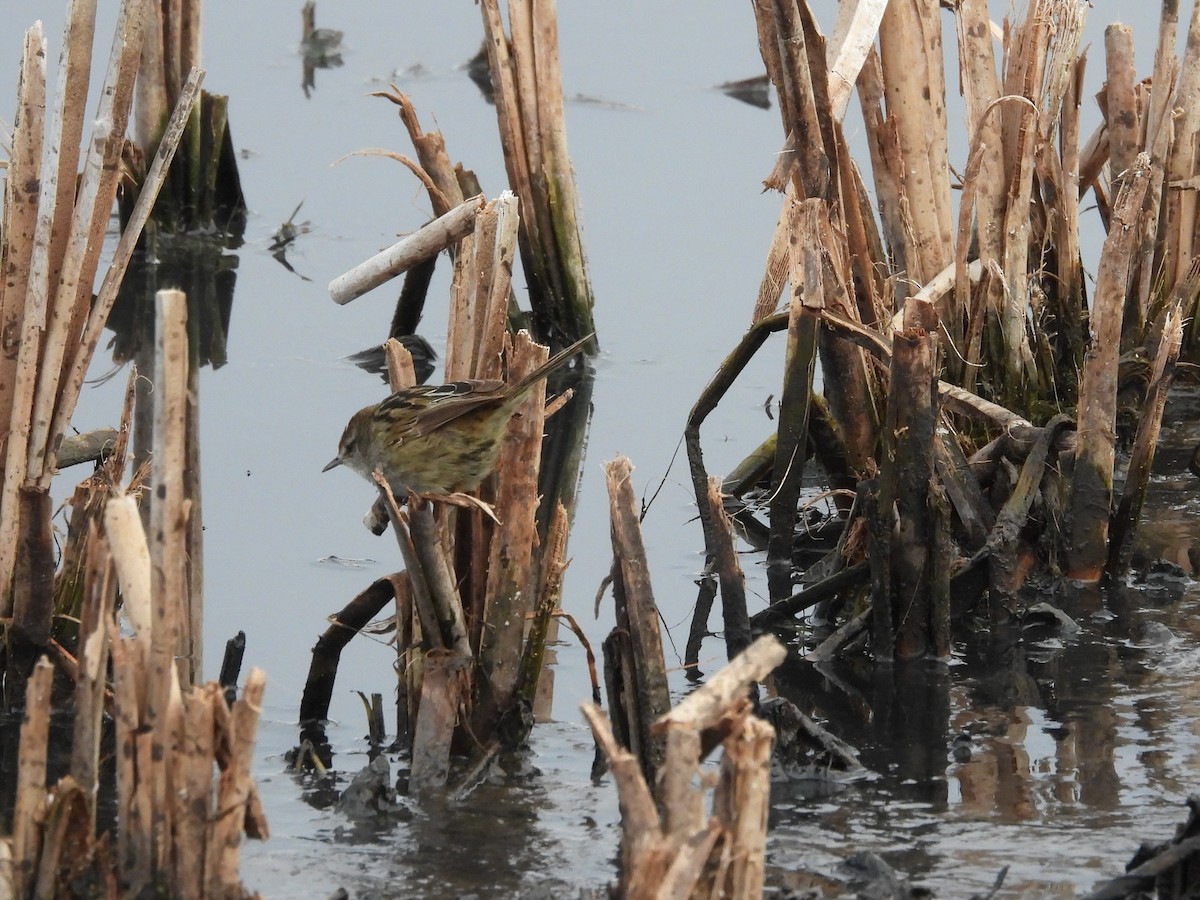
[805, 303]
[634, 668]
[730, 578]
[671, 845]
[906, 480]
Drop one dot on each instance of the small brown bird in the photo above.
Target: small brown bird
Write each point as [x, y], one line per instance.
[438, 439]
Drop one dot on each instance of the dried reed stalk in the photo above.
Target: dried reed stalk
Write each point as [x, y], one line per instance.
[175, 632]
[983, 191]
[92, 679]
[529, 110]
[479, 292]
[1141, 457]
[805, 305]
[554, 564]
[235, 799]
[21, 188]
[1181, 218]
[511, 571]
[445, 190]
[33, 321]
[30, 808]
[1091, 488]
[910, 55]
[443, 689]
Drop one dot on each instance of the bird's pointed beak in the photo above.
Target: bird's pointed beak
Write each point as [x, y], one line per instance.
[332, 464]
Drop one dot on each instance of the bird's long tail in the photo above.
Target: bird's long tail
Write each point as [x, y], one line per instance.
[555, 362]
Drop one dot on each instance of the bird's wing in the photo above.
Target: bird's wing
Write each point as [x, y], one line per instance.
[432, 406]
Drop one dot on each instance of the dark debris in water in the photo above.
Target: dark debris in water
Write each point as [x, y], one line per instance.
[370, 793]
[874, 879]
[1161, 583]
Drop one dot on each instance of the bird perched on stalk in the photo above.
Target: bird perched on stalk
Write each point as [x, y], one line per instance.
[438, 439]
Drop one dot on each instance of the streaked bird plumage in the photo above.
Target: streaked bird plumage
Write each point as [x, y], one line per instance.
[437, 439]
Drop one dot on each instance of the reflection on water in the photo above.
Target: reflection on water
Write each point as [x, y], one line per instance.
[1054, 754]
[540, 828]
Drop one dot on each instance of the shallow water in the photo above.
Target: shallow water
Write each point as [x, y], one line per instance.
[1088, 748]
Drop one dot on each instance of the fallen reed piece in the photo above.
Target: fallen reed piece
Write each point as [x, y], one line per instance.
[429, 240]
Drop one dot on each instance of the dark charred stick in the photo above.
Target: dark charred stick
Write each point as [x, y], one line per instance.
[813, 594]
[318, 689]
[231, 666]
